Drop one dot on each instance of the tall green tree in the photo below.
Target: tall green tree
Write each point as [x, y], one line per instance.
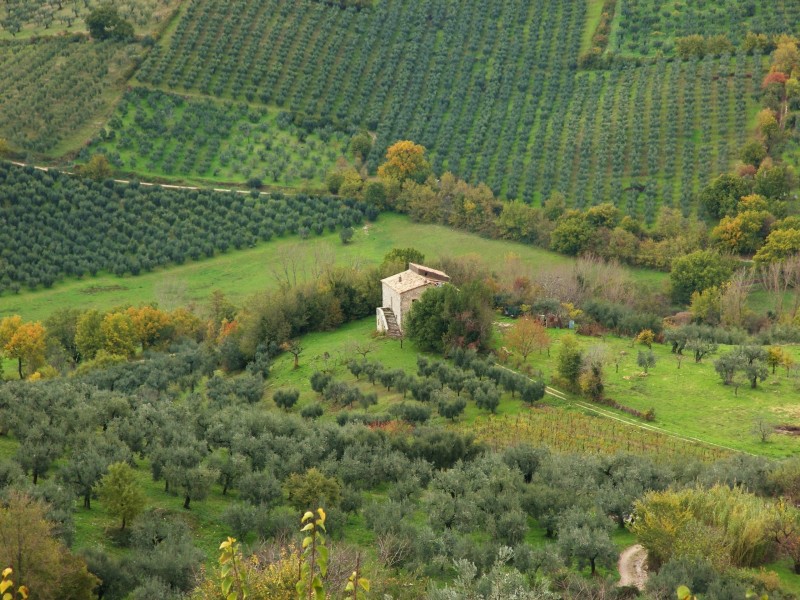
[698, 271]
[570, 362]
[105, 22]
[121, 493]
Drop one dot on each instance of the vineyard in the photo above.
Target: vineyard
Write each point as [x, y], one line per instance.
[646, 26]
[569, 431]
[490, 88]
[157, 134]
[54, 225]
[54, 89]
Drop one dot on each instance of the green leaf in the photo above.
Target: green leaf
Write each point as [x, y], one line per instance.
[227, 584]
[306, 542]
[364, 583]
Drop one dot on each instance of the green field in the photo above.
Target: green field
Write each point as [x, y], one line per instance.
[243, 273]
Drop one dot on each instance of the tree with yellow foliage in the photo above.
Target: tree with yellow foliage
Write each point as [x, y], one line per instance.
[119, 334]
[46, 566]
[28, 347]
[24, 342]
[786, 57]
[405, 160]
[152, 326]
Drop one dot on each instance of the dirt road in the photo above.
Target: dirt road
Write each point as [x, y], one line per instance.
[633, 566]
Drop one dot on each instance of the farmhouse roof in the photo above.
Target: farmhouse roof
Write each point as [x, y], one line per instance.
[428, 272]
[415, 277]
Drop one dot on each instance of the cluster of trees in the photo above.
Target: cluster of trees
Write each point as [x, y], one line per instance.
[600, 37]
[446, 317]
[752, 203]
[105, 23]
[747, 363]
[437, 383]
[55, 225]
[90, 339]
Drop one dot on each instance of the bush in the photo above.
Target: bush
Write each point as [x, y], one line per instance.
[411, 412]
[312, 411]
[286, 398]
[346, 234]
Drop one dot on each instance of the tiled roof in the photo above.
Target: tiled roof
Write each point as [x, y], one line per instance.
[405, 281]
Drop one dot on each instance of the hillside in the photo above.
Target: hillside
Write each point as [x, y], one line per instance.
[499, 92]
[415, 299]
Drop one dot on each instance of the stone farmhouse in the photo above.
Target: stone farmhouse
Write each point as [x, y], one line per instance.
[400, 291]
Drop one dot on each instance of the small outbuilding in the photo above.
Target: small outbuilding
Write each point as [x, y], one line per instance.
[401, 291]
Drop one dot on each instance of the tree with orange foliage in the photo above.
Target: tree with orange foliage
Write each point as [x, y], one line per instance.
[526, 336]
[405, 160]
[23, 341]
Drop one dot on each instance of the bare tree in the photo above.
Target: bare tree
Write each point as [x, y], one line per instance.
[733, 300]
[776, 283]
[791, 270]
[599, 278]
[360, 347]
[324, 259]
[762, 428]
[288, 265]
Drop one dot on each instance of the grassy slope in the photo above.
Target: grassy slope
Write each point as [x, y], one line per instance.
[593, 12]
[241, 274]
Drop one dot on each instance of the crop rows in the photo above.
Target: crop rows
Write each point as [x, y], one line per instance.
[646, 26]
[53, 88]
[155, 133]
[644, 136]
[568, 431]
[54, 225]
[490, 87]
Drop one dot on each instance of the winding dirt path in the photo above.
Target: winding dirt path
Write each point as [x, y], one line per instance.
[633, 566]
